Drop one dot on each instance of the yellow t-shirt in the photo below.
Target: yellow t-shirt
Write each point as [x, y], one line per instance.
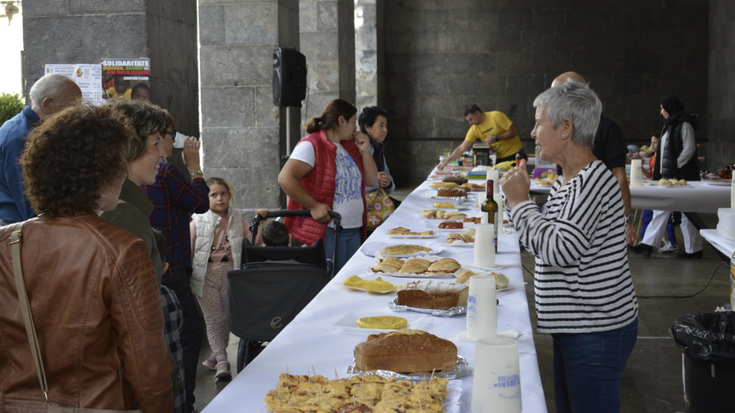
[496, 123]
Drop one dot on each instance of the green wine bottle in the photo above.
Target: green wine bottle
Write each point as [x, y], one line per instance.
[489, 210]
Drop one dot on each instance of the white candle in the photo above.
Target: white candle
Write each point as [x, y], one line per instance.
[494, 175]
[636, 175]
[484, 249]
[482, 308]
[732, 193]
[496, 385]
[501, 211]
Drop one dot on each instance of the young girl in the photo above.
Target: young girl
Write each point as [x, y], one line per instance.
[216, 240]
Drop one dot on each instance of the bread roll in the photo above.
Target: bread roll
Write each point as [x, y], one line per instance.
[444, 266]
[405, 351]
[415, 266]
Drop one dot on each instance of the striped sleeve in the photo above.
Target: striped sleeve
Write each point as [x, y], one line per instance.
[582, 279]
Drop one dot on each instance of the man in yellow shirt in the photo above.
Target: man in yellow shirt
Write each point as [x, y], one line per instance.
[493, 128]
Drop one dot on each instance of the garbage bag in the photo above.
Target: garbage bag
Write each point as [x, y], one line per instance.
[706, 337]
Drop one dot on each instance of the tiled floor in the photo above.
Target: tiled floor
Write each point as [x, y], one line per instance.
[652, 382]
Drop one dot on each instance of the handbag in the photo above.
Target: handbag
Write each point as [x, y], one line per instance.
[379, 206]
[25, 308]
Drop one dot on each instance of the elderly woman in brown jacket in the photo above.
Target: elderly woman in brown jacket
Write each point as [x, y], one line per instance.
[92, 288]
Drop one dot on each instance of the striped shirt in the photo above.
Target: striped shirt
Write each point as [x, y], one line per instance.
[582, 281]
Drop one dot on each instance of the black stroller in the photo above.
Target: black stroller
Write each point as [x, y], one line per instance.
[272, 286]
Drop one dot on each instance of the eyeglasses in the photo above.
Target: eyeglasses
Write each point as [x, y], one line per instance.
[172, 133]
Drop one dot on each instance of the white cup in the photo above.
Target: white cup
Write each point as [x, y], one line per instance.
[496, 387]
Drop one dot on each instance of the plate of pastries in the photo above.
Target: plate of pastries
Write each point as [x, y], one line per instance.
[417, 267]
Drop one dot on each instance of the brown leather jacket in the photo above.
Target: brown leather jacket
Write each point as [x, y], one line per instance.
[97, 309]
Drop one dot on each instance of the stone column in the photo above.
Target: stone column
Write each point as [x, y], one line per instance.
[328, 39]
[87, 31]
[243, 133]
[369, 49]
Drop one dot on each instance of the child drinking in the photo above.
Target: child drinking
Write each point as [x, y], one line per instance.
[216, 240]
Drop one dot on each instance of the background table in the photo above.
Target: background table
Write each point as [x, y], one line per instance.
[696, 197]
[312, 343]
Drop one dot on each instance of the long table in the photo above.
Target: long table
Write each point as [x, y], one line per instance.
[698, 197]
[313, 343]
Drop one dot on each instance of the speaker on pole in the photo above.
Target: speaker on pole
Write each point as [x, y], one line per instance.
[289, 77]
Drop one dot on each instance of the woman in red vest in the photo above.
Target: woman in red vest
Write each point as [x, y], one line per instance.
[328, 171]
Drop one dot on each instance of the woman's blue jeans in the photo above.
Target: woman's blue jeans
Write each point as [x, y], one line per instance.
[588, 369]
[349, 243]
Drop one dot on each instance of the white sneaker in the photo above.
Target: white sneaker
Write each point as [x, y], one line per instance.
[668, 248]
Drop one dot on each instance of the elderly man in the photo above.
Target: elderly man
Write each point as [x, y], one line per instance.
[610, 148]
[49, 95]
[493, 128]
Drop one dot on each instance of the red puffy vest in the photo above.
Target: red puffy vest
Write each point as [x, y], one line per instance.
[320, 184]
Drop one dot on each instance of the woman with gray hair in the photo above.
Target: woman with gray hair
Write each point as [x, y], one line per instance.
[584, 292]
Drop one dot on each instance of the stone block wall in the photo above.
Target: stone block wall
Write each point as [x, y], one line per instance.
[172, 43]
[86, 31]
[720, 150]
[369, 51]
[500, 54]
[243, 133]
[328, 42]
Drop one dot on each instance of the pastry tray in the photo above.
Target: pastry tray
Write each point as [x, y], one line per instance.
[449, 312]
[461, 369]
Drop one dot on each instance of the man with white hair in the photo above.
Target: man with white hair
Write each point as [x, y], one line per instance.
[49, 95]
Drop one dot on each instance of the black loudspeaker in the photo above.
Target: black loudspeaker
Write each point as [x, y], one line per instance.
[289, 77]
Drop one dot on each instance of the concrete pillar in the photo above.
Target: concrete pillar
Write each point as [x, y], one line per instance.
[78, 31]
[243, 133]
[369, 50]
[328, 42]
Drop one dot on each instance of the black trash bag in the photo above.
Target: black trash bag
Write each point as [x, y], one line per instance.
[706, 337]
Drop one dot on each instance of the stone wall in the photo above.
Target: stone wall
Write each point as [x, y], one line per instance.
[243, 133]
[500, 54]
[83, 31]
[721, 120]
[369, 52]
[328, 42]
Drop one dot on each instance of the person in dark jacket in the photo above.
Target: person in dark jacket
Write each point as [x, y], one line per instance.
[677, 159]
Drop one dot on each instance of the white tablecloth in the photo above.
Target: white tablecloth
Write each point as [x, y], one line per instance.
[724, 245]
[313, 343]
[696, 197]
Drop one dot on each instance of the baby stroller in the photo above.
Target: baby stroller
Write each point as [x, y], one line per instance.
[272, 286]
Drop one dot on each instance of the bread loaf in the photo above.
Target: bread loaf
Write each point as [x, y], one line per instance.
[405, 351]
[433, 294]
[452, 192]
[456, 179]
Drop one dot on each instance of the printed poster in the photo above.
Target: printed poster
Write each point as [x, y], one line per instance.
[126, 78]
[87, 76]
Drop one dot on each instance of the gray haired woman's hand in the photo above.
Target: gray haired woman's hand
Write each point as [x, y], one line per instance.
[516, 184]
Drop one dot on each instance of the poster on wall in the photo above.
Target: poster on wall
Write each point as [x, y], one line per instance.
[87, 76]
[126, 78]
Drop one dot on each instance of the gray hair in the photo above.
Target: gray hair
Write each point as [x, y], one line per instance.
[574, 101]
[50, 86]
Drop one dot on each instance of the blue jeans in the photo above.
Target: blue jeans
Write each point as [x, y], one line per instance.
[588, 369]
[349, 243]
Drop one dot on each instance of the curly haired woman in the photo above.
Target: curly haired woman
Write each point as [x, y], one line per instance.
[92, 288]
